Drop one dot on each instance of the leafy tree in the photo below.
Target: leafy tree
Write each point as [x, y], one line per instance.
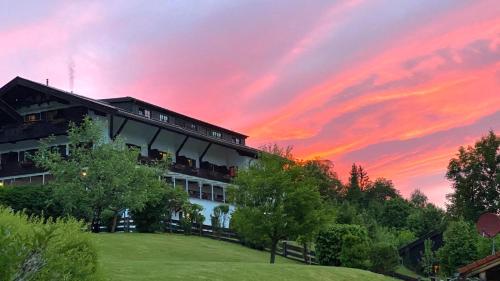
[395, 213]
[418, 199]
[192, 216]
[381, 190]
[428, 258]
[460, 246]
[404, 237]
[157, 213]
[475, 174]
[425, 220]
[219, 218]
[327, 181]
[175, 199]
[99, 174]
[275, 199]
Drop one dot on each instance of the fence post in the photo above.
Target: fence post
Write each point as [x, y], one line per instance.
[284, 249]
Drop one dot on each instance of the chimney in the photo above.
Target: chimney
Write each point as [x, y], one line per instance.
[47, 82]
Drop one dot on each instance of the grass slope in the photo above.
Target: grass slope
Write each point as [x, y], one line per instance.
[177, 257]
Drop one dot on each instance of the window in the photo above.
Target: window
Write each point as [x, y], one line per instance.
[193, 126]
[33, 117]
[163, 117]
[216, 134]
[145, 112]
[236, 140]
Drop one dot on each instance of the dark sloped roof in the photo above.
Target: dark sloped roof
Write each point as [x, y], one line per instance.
[105, 106]
[168, 111]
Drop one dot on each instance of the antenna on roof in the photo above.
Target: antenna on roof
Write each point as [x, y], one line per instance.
[47, 82]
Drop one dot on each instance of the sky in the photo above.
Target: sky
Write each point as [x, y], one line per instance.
[395, 86]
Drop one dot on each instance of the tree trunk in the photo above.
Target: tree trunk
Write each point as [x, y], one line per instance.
[305, 252]
[274, 246]
[115, 221]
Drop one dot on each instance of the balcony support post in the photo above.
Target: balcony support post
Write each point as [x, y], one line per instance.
[204, 152]
[181, 146]
[151, 142]
[120, 128]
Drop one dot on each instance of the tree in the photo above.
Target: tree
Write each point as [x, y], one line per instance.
[175, 199]
[381, 190]
[358, 183]
[192, 216]
[157, 213]
[219, 218]
[428, 258]
[395, 213]
[418, 199]
[475, 174]
[424, 220]
[460, 246]
[275, 199]
[98, 175]
[327, 181]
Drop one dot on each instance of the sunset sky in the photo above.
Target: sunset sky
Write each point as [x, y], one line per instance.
[396, 86]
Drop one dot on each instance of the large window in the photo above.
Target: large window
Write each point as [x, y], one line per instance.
[236, 140]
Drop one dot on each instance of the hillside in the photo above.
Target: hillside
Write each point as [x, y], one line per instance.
[177, 257]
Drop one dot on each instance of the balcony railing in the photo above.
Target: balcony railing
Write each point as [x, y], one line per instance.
[42, 128]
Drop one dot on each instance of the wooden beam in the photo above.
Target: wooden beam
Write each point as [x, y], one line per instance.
[180, 147]
[205, 152]
[120, 128]
[154, 138]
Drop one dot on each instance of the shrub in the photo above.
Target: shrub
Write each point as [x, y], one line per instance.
[355, 251]
[55, 250]
[333, 246]
[384, 257]
[32, 199]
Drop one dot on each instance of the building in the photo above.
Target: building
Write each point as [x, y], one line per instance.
[487, 269]
[205, 156]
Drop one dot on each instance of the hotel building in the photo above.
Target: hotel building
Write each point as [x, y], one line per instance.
[205, 156]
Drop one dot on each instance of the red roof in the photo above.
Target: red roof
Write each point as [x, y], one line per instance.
[477, 265]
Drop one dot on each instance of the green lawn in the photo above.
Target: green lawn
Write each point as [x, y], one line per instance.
[177, 257]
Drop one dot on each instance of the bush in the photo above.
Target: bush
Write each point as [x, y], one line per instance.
[384, 257]
[32, 199]
[340, 245]
[55, 250]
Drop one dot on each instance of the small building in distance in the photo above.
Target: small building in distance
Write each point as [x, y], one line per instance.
[487, 269]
